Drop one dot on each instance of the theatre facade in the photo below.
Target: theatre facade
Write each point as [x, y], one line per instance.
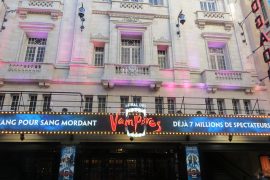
[134, 89]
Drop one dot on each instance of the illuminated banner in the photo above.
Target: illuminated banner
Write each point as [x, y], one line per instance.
[23, 122]
[193, 163]
[66, 168]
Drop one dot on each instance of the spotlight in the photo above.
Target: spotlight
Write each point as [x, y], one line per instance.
[21, 137]
[64, 110]
[71, 137]
[131, 139]
[230, 138]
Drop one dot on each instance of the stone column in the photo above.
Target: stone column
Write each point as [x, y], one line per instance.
[81, 40]
[66, 32]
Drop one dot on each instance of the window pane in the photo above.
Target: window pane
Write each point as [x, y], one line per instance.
[30, 54]
[162, 59]
[47, 102]
[217, 58]
[99, 56]
[247, 106]
[236, 106]
[221, 106]
[40, 54]
[88, 104]
[209, 106]
[159, 105]
[171, 105]
[208, 5]
[101, 103]
[156, 2]
[213, 62]
[135, 56]
[2, 99]
[124, 102]
[130, 51]
[221, 62]
[125, 55]
[32, 102]
[35, 50]
[137, 99]
[15, 102]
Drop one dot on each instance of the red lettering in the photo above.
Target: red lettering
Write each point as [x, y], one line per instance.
[137, 120]
[159, 127]
[121, 121]
[152, 123]
[113, 122]
[259, 21]
[264, 38]
[266, 55]
[255, 6]
[129, 122]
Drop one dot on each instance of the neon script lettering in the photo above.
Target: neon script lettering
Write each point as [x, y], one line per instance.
[137, 120]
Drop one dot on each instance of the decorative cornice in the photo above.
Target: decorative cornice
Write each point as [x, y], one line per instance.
[210, 35]
[131, 19]
[128, 15]
[33, 29]
[52, 8]
[36, 26]
[162, 40]
[99, 36]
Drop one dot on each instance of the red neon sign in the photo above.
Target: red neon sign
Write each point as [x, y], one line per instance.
[137, 120]
[259, 21]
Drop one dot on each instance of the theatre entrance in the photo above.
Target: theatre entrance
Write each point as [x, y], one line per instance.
[127, 161]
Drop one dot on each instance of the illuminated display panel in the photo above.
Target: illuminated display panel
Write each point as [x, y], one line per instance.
[116, 124]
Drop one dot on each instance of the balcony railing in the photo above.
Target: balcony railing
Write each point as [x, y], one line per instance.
[132, 70]
[217, 18]
[50, 7]
[77, 102]
[138, 74]
[144, 9]
[22, 67]
[17, 71]
[227, 79]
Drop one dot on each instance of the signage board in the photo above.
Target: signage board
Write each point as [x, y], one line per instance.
[116, 123]
[193, 163]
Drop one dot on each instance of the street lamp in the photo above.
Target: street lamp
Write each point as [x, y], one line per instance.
[81, 15]
[181, 19]
[7, 11]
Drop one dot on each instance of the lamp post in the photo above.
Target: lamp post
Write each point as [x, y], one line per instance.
[81, 15]
[181, 19]
[7, 11]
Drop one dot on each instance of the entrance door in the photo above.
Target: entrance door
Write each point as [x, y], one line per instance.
[124, 162]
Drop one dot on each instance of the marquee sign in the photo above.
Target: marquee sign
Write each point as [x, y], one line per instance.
[93, 123]
[260, 22]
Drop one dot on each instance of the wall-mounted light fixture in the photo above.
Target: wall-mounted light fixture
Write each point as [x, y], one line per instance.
[230, 138]
[7, 11]
[181, 19]
[81, 15]
[22, 137]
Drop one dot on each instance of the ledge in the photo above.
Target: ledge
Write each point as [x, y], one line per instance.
[217, 18]
[54, 8]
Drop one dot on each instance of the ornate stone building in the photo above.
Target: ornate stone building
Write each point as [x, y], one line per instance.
[130, 51]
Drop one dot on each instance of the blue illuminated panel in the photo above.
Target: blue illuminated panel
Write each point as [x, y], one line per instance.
[23, 122]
